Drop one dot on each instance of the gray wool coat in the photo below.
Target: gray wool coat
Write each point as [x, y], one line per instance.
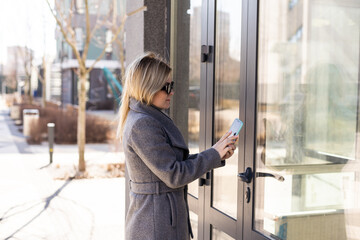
[159, 168]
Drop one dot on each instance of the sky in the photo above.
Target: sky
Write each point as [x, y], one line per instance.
[26, 23]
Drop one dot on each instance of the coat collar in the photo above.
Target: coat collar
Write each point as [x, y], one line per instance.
[168, 125]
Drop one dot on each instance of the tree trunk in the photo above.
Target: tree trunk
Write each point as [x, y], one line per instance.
[44, 84]
[81, 121]
[29, 90]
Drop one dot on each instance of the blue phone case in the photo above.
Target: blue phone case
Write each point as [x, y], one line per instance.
[236, 127]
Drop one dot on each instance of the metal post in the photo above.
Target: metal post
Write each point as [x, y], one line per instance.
[51, 133]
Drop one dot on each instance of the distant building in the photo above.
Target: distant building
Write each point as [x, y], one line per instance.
[53, 82]
[18, 68]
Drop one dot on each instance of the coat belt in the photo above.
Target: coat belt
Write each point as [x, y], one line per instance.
[157, 188]
[152, 188]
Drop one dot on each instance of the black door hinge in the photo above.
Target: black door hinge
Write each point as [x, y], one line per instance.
[205, 181]
[205, 53]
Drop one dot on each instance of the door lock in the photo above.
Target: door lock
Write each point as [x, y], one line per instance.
[246, 176]
[247, 195]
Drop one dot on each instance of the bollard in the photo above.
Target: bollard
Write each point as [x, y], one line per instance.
[51, 133]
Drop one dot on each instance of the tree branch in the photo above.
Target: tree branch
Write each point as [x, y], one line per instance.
[27, 61]
[63, 19]
[72, 45]
[121, 55]
[88, 32]
[69, 20]
[97, 25]
[143, 8]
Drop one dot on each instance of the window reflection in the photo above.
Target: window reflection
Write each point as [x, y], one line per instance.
[226, 103]
[194, 84]
[219, 235]
[308, 66]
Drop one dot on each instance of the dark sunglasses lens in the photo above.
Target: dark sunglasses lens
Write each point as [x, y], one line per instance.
[168, 87]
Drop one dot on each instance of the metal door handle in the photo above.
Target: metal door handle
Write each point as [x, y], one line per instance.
[273, 175]
[246, 176]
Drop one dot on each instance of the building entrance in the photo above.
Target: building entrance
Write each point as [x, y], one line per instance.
[290, 71]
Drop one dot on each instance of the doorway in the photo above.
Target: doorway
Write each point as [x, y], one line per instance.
[211, 94]
[290, 71]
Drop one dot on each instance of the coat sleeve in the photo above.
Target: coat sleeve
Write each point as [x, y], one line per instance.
[148, 140]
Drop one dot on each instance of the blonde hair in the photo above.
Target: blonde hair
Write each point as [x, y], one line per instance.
[144, 77]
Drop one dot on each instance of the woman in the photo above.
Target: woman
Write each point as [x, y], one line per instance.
[157, 158]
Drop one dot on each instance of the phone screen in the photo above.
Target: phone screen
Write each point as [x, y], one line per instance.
[236, 127]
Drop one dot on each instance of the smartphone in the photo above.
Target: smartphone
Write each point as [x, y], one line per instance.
[236, 127]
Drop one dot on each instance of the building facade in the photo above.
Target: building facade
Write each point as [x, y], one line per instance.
[289, 69]
[99, 93]
[53, 81]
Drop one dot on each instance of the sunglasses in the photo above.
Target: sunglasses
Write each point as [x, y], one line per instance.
[168, 87]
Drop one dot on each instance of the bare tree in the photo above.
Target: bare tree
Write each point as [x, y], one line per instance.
[27, 57]
[119, 40]
[11, 72]
[64, 22]
[11, 79]
[42, 78]
[112, 23]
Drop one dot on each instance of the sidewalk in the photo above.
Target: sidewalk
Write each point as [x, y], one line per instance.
[35, 206]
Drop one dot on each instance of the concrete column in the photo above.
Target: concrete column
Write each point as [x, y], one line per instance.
[180, 43]
[146, 31]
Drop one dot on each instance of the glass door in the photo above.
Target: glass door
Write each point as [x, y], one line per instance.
[189, 34]
[304, 152]
[187, 37]
[225, 100]
[210, 93]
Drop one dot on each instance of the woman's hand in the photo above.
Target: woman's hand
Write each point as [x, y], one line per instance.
[226, 145]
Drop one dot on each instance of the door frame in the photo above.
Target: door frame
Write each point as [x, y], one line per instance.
[213, 217]
[240, 228]
[251, 116]
[233, 227]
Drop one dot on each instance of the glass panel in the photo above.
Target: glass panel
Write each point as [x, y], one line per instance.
[194, 84]
[307, 154]
[227, 87]
[219, 235]
[194, 224]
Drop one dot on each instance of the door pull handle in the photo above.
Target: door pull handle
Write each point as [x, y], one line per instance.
[273, 175]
